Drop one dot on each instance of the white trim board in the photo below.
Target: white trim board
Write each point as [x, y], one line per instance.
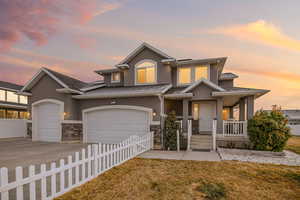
[138, 49]
[39, 75]
[205, 81]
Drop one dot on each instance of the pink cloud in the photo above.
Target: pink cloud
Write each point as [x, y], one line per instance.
[38, 20]
[260, 32]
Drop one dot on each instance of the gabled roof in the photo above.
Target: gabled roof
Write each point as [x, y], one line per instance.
[139, 49]
[10, 86]
[203, 81]
[68, 83]
[241, 92]
[127, 91]
[228, 76]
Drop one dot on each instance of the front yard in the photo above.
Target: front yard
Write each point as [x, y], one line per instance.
[293, 144]
[169, 179]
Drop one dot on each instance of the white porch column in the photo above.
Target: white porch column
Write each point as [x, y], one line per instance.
[250, 107]
[242, 109]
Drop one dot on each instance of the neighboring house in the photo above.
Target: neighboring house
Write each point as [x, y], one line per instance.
[12, 105]
[294, 120]
[135, 97]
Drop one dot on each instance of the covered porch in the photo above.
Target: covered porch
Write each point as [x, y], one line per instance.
[230, 113]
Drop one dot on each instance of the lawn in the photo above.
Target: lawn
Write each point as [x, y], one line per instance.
[293, 144]
[169, 179]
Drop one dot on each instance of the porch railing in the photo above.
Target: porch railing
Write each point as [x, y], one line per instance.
[234, 128]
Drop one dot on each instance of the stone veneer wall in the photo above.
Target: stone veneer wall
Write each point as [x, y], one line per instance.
[156, 136]
[72, 131]
[240, 143]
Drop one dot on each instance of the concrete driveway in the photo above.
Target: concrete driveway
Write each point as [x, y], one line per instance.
[23, 152]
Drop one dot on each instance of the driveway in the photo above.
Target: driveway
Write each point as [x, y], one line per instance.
[23, 152]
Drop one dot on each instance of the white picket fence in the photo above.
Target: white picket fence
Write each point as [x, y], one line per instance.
[85, 166]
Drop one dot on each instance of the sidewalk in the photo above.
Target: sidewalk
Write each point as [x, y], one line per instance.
[182, 155]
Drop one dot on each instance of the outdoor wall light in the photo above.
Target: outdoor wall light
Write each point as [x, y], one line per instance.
[154, 113]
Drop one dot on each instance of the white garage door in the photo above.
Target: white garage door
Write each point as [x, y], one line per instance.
[115, 125]
[48, 122]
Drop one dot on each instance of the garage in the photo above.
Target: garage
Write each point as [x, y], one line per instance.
[46, 122]
[113, 124]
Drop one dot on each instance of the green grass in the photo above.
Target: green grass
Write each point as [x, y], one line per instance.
[293, 144]
[176, 180]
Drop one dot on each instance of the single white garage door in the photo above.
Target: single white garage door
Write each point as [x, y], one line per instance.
[48, 122]
[114, 125]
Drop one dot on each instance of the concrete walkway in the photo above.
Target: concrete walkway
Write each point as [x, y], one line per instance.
[182, 155]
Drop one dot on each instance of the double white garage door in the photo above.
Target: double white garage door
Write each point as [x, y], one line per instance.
[106, 124]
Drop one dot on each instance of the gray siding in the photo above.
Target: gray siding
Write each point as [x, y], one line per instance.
[226, 84]
[163, 71]
[149, 102]
[46, 89]
[214, 74]
[107, 80]
[202, 91]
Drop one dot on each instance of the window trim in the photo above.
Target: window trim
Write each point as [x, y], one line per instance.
[193, 73]
[136, 68]
[111, 77]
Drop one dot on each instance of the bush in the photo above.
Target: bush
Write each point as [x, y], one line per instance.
[213, 191]
[268, 131]
[171, 127]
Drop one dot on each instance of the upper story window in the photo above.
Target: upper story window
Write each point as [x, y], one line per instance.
[188, 75]
[11, 97]
[184, 74]
[201, 72]
[115, 77]
[2, 95]
[145, 72]
[23, 99]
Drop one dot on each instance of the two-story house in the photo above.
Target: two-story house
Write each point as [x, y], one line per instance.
[136, 95]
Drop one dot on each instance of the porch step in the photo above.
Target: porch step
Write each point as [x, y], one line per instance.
[201, 142]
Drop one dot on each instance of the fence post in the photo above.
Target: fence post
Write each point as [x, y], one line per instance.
[189, 135]
[95, 148]
[178, 142]
[62, 175]
[43, 182]
[214, 134]
[70, 174]
[32, 192]
[3, 182]
[19, 177]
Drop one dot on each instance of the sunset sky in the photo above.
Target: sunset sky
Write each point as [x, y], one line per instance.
[261, 38]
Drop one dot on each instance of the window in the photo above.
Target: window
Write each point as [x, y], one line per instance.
[23, 99]
[201, 72]
[195, 111]
[12, 114]
[2, 95]
[115, 77]
[145, 72]
[12, 97]
[184, 75]
[225, 113]
[24, 115]
[2, 114]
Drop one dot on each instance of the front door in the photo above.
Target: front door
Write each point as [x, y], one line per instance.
[207, 112]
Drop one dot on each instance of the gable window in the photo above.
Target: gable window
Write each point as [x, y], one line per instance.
[184, 75]
[201, 72]
[12, 97]
[145, 72]
[115, 77]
